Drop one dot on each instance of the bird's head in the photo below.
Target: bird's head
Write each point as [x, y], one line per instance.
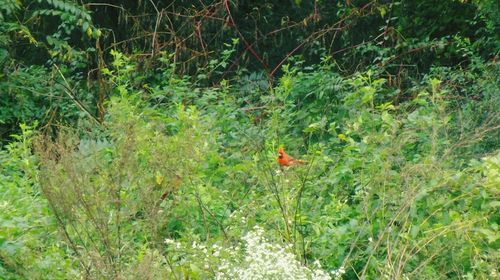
[281, 152]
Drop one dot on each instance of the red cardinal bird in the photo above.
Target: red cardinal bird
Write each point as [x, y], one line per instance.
[286, 160]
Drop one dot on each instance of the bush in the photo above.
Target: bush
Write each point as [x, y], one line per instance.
[112, 194]
[30, 247]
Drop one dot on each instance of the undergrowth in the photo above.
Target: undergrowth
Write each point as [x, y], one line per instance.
[176, 179]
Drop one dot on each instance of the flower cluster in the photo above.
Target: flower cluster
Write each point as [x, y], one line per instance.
[173, 243]
[337, 273]
[264, 260]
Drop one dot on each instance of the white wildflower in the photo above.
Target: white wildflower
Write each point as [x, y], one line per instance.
[169, 241]
[265, 260]
[337, 273]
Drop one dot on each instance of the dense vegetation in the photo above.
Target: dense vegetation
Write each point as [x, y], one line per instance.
[139, 139]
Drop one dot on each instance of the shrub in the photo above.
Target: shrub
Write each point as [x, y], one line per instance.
[29, 244]
[113, 193]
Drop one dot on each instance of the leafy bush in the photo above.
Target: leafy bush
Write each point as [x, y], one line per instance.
[29, 244]
[41, 71]
[113, 195]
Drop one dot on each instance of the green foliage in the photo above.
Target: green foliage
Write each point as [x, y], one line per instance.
[155, 153]
[113, 195]
[30, 247]
[52, 39]
[32, 41]
[386, 191]
[37, 94]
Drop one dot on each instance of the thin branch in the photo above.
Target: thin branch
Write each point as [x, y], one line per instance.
[69, 92]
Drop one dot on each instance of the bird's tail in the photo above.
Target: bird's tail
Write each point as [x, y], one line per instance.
[299, 161]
